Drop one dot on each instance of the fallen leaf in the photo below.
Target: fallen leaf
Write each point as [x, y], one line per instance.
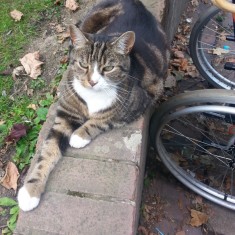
[16, 15]
[179, 54]
[198, 200]
[17, 131]
[198, 218]
[71, 5]
[59, 28]
[64, 60]
[219, 51]
[10, 179]
[63, 36]
[32, 64]
[30, 92]
[32, 106]
[18, 71]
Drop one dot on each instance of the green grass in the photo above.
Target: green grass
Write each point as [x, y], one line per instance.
[14, 38]
[15, 35]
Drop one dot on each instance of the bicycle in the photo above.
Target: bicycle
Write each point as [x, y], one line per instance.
[194, 135]
[212, 45]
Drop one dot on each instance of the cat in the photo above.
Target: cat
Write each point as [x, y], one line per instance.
[118, 62]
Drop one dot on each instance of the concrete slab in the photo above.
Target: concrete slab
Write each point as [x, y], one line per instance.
[64, 214]
[104, 178]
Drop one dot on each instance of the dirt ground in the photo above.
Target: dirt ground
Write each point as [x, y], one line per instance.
[166, 203]
[157, 213]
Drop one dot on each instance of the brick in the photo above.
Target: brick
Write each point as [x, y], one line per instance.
[104, 178]
[63, 214]
[119, 144]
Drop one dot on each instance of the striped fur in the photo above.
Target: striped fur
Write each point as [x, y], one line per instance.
[118, 62]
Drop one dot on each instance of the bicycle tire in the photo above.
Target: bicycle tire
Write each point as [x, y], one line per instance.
[199, 39]
[194, 104]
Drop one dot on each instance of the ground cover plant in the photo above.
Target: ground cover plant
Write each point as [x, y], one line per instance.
[24, 101]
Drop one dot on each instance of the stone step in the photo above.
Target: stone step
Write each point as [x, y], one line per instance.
[64, 214]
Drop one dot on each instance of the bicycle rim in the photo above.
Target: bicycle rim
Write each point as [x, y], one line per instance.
[192, 139]
[210, 50]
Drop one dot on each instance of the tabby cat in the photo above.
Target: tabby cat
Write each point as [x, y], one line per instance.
[118, 62]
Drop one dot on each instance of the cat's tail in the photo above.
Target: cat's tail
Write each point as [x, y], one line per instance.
[101, 16]
[52, 150]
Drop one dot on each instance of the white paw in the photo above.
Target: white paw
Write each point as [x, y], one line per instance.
[26, 202]
[78, 142]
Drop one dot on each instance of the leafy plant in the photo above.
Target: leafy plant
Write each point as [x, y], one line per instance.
[25, 147]
[14, 211]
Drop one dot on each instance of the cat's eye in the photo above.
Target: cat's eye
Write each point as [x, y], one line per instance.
[83, 65]
[108, 68]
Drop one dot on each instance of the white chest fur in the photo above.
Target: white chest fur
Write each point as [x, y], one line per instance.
[96, 100]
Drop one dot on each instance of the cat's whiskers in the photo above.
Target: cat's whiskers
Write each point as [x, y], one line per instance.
[137, 79]
[122, 90]
[65, 93]
[108, 92]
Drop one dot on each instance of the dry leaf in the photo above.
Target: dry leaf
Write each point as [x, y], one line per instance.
[59, 28]
[16, 15]
[17, 131]
[11, 176]
[62, 37]
[219, 51]
[179, 54]
[71, 5]
[18, 71]
[32, 106]
[64, 59]
[30, 92]
[198, 218]
[32, 64]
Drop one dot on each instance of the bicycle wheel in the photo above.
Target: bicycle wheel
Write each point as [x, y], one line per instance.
[194, 134]
[210, 50]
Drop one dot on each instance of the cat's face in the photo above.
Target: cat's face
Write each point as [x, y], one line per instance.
[99, 64]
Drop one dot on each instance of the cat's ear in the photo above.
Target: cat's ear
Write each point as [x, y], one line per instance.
[78, 38]
[124, 43]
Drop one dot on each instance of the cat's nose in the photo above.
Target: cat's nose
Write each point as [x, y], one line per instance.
[92, 83]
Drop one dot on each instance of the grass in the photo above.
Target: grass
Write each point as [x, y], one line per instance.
[14, 37]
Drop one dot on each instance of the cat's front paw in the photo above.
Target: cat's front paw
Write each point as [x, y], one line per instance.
[26, 202]
[78, 142]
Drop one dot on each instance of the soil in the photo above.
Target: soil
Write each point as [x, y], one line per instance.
[166, 203]
[158, 213]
